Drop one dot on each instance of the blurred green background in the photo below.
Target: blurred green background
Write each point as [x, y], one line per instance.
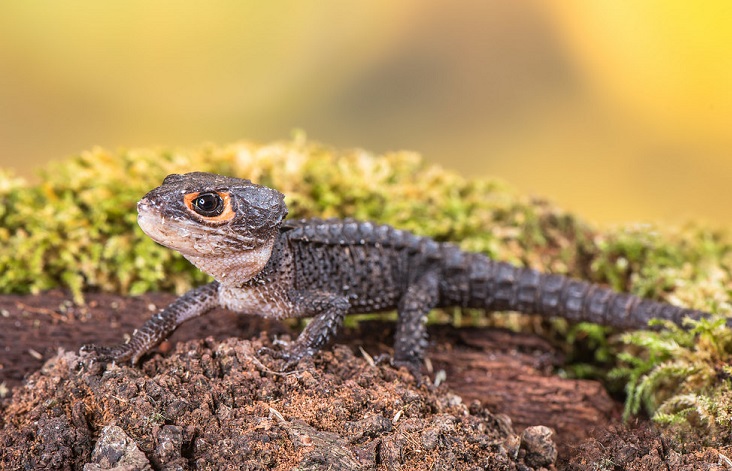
[620, 111]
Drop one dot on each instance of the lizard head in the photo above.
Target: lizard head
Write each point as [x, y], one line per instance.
[214, 221]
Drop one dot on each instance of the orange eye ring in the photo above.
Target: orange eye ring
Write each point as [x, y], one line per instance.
[212, 206]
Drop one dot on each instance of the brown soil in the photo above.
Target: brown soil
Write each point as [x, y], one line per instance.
[210, 401]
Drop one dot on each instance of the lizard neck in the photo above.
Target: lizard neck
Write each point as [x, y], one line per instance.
[234, 269]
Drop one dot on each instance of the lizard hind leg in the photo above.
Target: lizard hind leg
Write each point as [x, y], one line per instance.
[410, 341]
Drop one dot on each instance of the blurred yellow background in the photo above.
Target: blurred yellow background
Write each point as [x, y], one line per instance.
[617, 110]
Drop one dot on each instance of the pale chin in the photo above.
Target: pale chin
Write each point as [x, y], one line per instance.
[151, 226]
[172, 234]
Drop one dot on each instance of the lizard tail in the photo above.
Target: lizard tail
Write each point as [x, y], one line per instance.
[474, 280]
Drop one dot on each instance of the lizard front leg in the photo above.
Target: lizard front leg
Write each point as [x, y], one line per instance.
[327, 310]
[194, 303]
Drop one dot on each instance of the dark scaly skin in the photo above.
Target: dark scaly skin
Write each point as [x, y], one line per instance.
[326, 269]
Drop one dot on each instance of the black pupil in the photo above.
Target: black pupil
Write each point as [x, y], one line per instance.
[208, 204]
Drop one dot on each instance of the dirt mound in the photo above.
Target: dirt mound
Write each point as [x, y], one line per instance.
[213, 405]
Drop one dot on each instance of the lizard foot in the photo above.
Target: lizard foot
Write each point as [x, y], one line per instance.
[118, 353]
[413, 367]
[291, 355]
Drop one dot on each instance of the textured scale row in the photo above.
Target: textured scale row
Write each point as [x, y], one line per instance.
[351, 232]
[499, 286]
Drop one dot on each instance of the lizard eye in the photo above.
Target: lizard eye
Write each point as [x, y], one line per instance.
[208, 204]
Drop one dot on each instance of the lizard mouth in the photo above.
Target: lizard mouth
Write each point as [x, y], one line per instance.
[151, 222]
[155, 225]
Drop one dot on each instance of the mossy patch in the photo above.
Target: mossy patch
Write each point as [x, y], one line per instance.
[77, 229]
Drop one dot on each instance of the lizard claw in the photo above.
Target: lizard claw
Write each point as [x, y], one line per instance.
[413, 367]
[276, 354]
[118, 353]
[291, 355]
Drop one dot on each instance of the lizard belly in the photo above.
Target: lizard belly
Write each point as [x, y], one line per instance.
[261, 301]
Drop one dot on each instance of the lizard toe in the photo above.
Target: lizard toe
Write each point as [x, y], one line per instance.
[383, 359]
[414, 368]
[271, 352]
[291, 356]
[117, 353]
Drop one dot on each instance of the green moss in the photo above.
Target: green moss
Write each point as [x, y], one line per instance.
[76, 229]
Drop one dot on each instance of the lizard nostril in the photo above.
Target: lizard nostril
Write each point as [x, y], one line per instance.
[148, 206]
